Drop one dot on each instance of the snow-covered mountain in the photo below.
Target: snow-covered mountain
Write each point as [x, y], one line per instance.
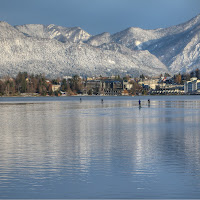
[177, 46]
[56, 50]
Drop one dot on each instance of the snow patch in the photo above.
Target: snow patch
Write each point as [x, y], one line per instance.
[111, 61]
[138, 44]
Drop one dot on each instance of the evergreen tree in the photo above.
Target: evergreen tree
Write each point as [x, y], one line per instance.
[197, 73]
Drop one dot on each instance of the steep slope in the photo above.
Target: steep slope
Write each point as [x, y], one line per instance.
[189, 58]
[166, 44]
[169, 47]
[133, 37]
[146, 61]
[54, 59]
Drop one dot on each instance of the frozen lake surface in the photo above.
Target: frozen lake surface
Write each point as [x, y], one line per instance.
[66, 148]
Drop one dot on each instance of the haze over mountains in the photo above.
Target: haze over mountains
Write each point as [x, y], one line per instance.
[56, 50]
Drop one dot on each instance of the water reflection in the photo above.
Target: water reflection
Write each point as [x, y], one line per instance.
[70, 149]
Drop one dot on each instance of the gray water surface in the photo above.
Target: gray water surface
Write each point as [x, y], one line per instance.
[64, 148]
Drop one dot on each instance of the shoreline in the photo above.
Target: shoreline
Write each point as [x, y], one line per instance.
[158, 95]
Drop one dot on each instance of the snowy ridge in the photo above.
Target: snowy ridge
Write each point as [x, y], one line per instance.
[100, 39]
[56, 50]
[52, 31]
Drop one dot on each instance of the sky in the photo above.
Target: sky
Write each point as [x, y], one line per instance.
[97, 16]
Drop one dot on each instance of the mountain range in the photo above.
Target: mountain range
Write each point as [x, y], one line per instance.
[58, 51]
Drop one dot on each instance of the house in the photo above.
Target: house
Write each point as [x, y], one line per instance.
[93, 87]
[112, 87]
[55, 88]
[127, 85]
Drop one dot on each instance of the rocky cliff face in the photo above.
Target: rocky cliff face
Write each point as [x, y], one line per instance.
[56, 50]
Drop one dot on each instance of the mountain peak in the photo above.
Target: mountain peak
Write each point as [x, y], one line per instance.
[8, 31]
[100, 39]
[3, 22]
[133, 29]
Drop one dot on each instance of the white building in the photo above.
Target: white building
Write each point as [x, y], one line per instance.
[192, 86]
[127, 85]
[55, 88]
[67, 77]
[151, 83]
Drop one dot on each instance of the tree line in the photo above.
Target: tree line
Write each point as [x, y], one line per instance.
[38, 84]
[181, 78]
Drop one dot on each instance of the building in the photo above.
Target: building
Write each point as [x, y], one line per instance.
[149, 83]
[127, 85]
[90, 78]
[192, 86]
[169, 89]
[112, 87]
[93, 87]
[107, 87]
[55, 88]
[67, 77]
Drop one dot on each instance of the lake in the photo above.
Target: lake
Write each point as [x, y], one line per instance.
[61, 147]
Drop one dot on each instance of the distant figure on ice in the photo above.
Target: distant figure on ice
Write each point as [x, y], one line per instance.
[139, 103]
[148, 102]
[101, 100]
[80, 100]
